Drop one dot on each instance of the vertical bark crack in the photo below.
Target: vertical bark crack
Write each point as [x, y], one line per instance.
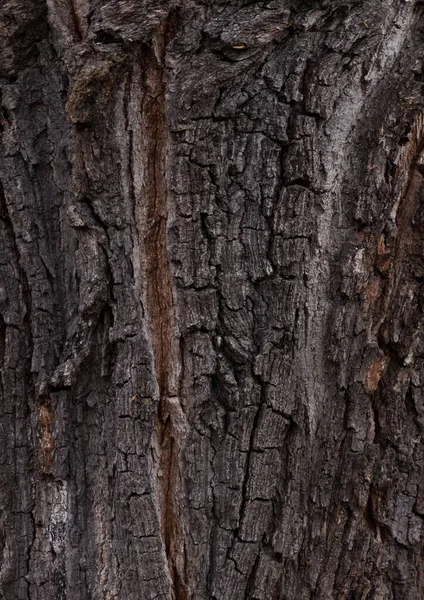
[75, 19]
[170, 420]
[410, 173]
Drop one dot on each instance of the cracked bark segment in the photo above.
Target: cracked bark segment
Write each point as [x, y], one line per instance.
[152, 214]
[283, 245]
[210, 300]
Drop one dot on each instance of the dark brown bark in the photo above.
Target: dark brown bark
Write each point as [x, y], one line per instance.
[211, 300]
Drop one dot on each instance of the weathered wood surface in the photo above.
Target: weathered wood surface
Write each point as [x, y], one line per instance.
[211, 298]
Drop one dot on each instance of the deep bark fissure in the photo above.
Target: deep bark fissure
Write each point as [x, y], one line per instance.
[392, 260]
[160, 308]
[75, 20]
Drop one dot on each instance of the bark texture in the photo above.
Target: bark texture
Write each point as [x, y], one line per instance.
[211, 299]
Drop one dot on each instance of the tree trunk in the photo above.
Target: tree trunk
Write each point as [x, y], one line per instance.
[212, 301]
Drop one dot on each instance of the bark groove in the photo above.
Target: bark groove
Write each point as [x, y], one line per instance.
[170, 425]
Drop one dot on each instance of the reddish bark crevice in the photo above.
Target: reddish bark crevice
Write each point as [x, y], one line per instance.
[407, 240]
[46, 449]
[159, 291]
[392, 252]
[160, 309]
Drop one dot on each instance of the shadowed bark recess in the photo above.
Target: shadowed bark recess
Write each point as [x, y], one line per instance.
[211, 300]
[159, 303]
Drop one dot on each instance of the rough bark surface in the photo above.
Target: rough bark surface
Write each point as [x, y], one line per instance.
[211, 300]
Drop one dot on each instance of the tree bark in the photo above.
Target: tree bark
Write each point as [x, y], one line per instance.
[212, 300]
